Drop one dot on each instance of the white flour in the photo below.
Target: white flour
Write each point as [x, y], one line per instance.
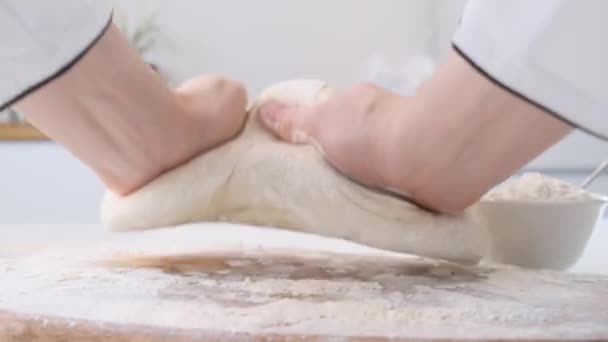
[308, 292]
[538, 187]
[380, 305]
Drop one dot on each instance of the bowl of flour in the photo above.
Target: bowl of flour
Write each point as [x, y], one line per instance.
[537, 221]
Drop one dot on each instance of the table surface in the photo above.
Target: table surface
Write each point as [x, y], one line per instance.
[18, 240]
[553, 298]
[141, 289]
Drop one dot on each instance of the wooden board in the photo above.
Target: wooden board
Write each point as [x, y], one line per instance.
[20, 132]
[280, 296]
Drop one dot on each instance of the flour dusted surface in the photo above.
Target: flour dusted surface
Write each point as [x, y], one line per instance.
[300, 292]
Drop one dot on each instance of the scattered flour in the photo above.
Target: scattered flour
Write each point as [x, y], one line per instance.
[333, 296]
[538, 187]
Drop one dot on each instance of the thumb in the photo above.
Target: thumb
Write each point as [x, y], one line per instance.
[290, 123]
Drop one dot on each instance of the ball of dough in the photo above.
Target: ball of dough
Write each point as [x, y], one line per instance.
[259, 180]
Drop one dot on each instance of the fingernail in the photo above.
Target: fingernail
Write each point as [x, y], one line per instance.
[269, 114]
[299, 137]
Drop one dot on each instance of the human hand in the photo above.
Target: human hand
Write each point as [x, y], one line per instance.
[355, 130]
[114, 113]
[444, 147]
[214, 110]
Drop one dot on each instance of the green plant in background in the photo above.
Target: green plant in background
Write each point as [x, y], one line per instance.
[11, 117]
[145, 36]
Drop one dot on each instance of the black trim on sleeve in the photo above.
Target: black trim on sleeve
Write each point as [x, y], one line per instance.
[61, 70]
[526, 98]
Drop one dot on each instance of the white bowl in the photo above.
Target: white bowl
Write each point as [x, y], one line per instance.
[539, 234]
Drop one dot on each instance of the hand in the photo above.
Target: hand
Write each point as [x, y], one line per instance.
[355, 130]
[444, 147]
[213, 109]
[115, 114]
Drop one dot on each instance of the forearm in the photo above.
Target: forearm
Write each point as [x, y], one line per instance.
[113, 112]
[469, 134]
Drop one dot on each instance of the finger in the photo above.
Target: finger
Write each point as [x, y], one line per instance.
[290, 123]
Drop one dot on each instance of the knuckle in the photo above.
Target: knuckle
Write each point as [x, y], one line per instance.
[365, 96]
[238, 94]
[231, 92]
[222, 83]
[285, 128]
[365, 88]
[216, 80]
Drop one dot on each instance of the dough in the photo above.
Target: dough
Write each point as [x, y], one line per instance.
[259, 180]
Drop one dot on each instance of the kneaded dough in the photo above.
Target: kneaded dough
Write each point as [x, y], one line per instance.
[259, 180]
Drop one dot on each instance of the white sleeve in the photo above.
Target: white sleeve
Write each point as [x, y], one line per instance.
[552, 53]
[42, 39]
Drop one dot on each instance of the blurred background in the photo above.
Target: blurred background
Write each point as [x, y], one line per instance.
[394, 43]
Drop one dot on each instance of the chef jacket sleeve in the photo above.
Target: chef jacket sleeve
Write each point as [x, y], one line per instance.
[40, 40]
[551, 53]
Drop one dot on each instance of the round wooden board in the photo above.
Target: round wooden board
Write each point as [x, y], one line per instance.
[277, 296]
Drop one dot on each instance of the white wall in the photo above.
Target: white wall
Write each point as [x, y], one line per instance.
[258, 42]
[41, 183]
[445, 16]
[264, 41]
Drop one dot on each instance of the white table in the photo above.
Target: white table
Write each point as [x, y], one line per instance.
[16, 240]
